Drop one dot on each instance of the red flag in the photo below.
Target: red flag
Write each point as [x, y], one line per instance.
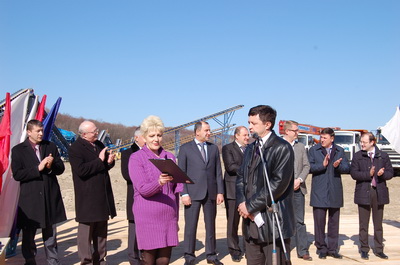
[5, 133]
[40, 111]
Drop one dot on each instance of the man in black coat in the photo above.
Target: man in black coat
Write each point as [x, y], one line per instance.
[232, 155]
[252, 194]
[35, 163]
[94, 199]
[371, 168]
[133, 251]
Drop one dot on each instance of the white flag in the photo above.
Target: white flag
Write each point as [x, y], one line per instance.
[391, 131]
[10, 193]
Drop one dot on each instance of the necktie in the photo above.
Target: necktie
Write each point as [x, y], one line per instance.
[37, 151]
[243, 148]
[257, 147]
[373, 182]
[203, 152]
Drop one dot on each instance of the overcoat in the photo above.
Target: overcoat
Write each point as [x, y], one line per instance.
[125, 155]
[94, 199]
[279, 157]
[40, 197]
[232, 157]
[326, 183]
[360, 171]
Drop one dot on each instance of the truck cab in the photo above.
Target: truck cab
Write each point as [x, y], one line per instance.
[306, 139]
[349, 141]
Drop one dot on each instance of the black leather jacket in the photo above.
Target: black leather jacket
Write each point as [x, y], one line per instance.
[279, 157]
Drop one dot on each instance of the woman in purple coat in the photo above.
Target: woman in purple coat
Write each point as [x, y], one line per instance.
[156, 199]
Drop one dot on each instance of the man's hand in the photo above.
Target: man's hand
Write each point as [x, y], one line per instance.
[242, 209]
[49, 160]
[337, 162]
[326, 160]
[297, 183]
[220, 198]
[186, 200]
[102, 154]
[111, 157]
[372, 171]
[42, 164]
[381, 171]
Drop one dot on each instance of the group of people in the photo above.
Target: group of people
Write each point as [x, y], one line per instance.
[264, 183]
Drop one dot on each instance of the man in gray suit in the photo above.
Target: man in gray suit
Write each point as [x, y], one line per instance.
[232, 154]
[301, 169]
[200, 160]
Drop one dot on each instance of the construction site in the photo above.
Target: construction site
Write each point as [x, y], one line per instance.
[349, 139]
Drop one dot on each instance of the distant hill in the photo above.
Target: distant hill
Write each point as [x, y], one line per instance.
[116, 131]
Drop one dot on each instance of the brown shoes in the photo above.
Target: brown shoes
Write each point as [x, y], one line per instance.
[306, 257]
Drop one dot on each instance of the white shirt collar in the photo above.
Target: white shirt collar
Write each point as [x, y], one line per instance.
[265, 138]
[197, 141]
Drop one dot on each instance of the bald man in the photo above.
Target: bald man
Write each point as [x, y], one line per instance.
[94, 200]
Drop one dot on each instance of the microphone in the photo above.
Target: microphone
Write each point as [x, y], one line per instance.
[255, 136]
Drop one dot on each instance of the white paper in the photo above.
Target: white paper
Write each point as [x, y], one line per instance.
[259, 220]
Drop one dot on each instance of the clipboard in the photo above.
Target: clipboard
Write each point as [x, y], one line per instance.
[168, 166]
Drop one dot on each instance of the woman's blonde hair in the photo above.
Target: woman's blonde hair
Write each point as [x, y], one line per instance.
[151, 123]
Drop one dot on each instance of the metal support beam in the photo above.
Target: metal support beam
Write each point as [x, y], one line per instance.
[177, 141]
[224, 137]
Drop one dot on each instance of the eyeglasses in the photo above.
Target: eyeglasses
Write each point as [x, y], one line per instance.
[295, 131]
[95, 131]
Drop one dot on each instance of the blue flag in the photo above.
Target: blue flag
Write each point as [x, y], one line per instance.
[50, 119]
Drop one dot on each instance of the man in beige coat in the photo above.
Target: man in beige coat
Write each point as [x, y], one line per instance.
[301, 169]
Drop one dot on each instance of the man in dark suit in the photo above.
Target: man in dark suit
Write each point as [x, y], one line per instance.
[301, 170]
[327, 163]
[200, 160]
[371, 168]
[252, 194]
[35, 163]
[133, 251]
[232, 155]
[94, 199]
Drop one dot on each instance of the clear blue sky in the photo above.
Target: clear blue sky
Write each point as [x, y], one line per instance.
[320, 62]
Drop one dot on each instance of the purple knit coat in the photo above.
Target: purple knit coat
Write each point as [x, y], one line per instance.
[155, 207]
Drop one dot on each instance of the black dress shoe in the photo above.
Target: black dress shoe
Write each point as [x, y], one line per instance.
[215, 262]
[236, 258]
[322, 255]
[306, 257]
[364, 255]
[381, 255]
[335, 255]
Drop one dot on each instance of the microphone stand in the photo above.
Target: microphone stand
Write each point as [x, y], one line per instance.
[275, 218]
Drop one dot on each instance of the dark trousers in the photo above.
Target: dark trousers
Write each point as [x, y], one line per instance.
[96, 233]
[333, 229]
[49, 235]
[299, 240]
[133, 251]
[233, 219]
[364, 212]
[261, 254]
[191, 220]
